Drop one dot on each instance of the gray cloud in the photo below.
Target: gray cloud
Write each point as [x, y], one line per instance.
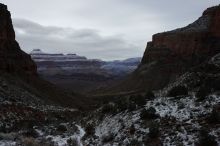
[124, 25]
[88, 42]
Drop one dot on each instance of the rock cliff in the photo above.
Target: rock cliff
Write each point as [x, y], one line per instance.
[193, 43]
[171, 54]
[12, 58]
[18, 72]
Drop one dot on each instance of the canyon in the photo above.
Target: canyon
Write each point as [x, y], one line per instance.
[70, 70]
[171, 98]
[171, 54]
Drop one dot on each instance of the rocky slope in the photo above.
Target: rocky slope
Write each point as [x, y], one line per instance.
[172, 53]
[185, 112]
[79, 73]
[180, 114]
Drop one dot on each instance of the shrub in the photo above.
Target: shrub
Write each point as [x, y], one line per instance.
[138, 100]
[31, 133]
[148, 114]
[108, 137]
[215, 84]
[30, 142]
[7, 136]
[202, 93]
[3, 128]
[132, 130]
[215, 115]
[90, 129]
[205, 139]
[27, 141]
[109, 108]
[132, 106]
[72, 142]
[122, 103]
[178, 91]
[135, 142]
[154, 130]
[149, 95]
[62, 128]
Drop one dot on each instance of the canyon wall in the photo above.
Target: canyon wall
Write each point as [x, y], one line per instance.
[171, 54]
[12, 58]
[193, 43]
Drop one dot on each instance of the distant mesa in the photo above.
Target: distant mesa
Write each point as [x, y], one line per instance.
[79, 73]
[37, 51]
[38, 55]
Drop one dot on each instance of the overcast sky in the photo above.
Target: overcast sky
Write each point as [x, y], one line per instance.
[104, 29]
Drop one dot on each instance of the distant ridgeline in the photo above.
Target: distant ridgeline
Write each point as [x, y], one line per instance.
[69, 70]
[60, 62]
[82, 64]
[38, 55]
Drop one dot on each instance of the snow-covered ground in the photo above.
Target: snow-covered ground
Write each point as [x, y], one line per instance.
[179, 119]
[180, 122]
[60, 140]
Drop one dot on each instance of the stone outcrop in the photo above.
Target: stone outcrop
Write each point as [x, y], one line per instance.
[171, 54]
[12, 58]
[193, 43]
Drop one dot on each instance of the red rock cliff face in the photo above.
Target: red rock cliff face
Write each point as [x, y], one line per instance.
[172, 53]
[193, 43]
[12, 58]
[214, 13]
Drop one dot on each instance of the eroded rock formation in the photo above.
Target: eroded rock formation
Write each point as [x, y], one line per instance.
[172, 53]
[193, 43]
[12, 58]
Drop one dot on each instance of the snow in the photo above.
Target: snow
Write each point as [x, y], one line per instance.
[37, 51]
[7, 143]
[187, 112]
[184, 109]
[39, 56]
[75, 62]
[81, 134]
[118, 125]
[113, 124]
[216, 60]
[40, 133]
[187, 140]
[60, 140]
[180, 120]
[215, 133]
